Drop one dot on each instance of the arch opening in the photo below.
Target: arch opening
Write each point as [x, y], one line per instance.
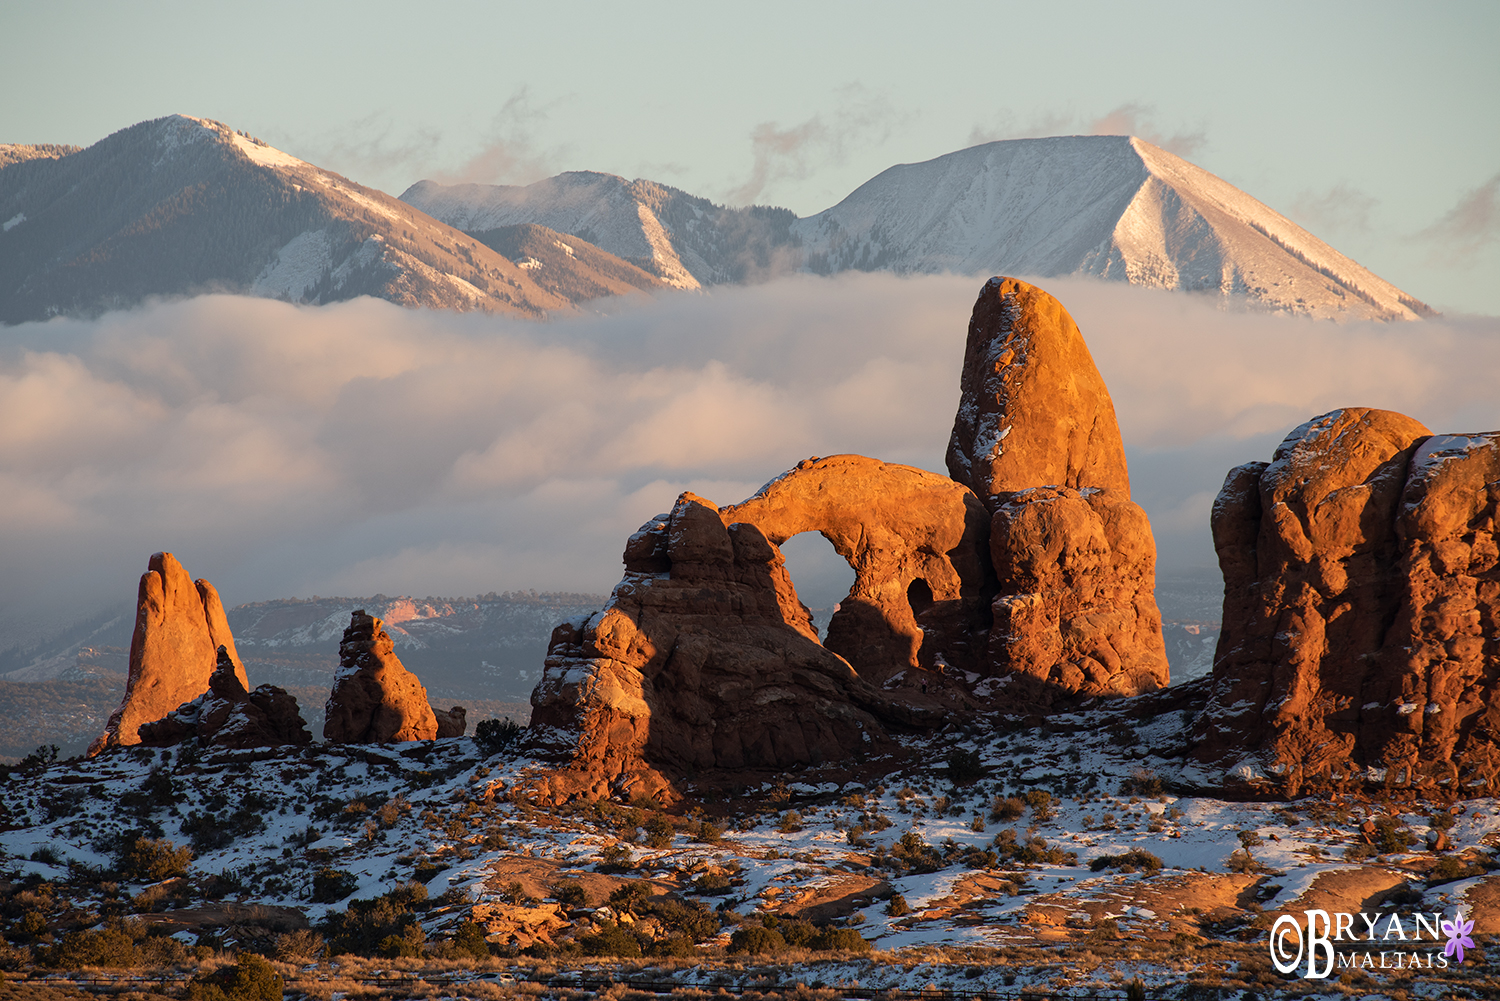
[821, 576]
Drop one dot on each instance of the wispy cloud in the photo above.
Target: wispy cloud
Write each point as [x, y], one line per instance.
[511, 154]
[371, 147]
[1339, 209]
[795, 152]
[360, 447]
[1469, 226]
[1137, 120]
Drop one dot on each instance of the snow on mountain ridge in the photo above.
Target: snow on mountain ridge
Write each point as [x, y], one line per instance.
[1115, 207]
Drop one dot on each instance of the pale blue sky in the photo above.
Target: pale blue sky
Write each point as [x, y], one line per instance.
[1373, 124]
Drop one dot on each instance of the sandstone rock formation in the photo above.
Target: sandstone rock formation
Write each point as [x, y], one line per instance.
[179, 625]
[1361, 635]
[703, 659]
[228, 716]
[1035, 437]
[375, 700]
[916, 541]
[451, 722]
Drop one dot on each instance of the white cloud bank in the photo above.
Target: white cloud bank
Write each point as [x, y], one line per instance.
[358, 448]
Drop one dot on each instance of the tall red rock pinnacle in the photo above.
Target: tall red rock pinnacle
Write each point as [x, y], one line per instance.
[1035, 438]
[179, 626]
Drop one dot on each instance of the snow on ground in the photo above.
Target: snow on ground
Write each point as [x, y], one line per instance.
[447, 814]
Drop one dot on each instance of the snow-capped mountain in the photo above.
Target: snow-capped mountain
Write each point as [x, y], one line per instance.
[1114, 207]
[684, 240]
[179, 205]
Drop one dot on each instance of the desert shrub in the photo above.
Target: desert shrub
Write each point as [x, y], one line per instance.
[845, 939]
[468, 940]
[611, 940]
[1446, 870]
[299, 946]
[1040, 802]
[790, 823]
[403, 944]
[897, 906]
[329, 886]
[251, 978]
[615, 858]
[708, 832]
[1441, 821]
[694, 920]
[913, 854]
[1007, 808]
[113, 947]
[496, 735]
[1033, 852]
[630, 898]
[149, 860]
[570, 893]
[1391, 835]
[756, 940]
[676, 946]
[659, 831]
[386, 925]
[1130, 861]
[1142, 782]
[712, 884]
[964, 767]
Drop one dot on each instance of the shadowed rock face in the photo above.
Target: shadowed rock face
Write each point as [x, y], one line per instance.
[703, 659]
[1361, 631]
[916, 541]
[179, 626]
[375, 700]
[1035, 437]
[451, 722]
[228, 716]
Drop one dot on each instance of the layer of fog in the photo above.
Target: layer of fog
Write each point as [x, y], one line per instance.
[362, 448]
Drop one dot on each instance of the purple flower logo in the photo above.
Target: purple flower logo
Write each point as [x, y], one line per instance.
[1457, 931]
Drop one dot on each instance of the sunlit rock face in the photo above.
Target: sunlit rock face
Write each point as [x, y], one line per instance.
[179, 626]
[1036, 439]
[704, 659]
[229, 716]
[375, 699]
[916, 542]
[1361, 636]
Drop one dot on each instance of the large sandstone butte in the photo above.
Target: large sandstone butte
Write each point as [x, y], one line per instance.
[375, 699]
[179, 626]
[703, 659]
[229, 716]
[1361, 637]
[916, 542]
[1036, 439]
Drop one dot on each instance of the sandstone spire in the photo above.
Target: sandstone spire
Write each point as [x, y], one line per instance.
[179, 626]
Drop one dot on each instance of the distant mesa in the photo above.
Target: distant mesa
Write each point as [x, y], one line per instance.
[1361, 630]
[228, 716]
[179, 627]
[375, 700]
